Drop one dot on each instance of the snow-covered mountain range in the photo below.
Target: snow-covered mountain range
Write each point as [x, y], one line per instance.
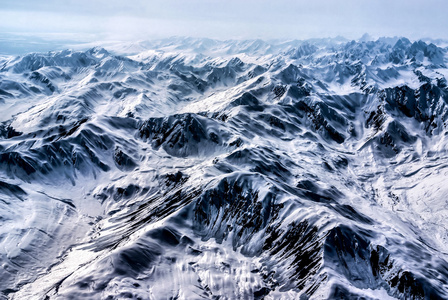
[201, 169]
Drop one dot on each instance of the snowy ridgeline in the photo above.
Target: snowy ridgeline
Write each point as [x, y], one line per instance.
[202, 169]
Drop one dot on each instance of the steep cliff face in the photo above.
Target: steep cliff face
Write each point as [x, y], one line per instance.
[231, 170]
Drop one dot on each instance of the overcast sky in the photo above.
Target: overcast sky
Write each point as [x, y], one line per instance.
[225, 19]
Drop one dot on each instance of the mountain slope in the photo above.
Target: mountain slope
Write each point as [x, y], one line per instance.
[200, 169]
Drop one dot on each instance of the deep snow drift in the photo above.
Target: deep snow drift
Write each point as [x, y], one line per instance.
[202, 169]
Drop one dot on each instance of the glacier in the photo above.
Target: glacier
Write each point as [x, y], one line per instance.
[188, 168]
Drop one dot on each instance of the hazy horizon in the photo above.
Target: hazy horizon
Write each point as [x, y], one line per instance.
[136, 20]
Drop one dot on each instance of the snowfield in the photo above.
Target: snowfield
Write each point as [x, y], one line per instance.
[202, 169]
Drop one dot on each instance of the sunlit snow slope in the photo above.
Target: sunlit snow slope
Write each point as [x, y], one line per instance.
[203, 169]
